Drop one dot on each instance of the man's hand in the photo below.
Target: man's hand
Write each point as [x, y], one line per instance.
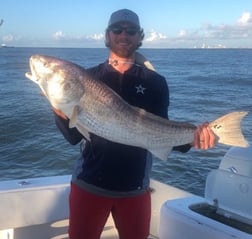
[60, 113]
[204, 138]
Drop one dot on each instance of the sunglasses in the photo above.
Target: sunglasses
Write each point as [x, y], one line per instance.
[117, 30]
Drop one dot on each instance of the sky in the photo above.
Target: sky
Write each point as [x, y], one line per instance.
[166, 23]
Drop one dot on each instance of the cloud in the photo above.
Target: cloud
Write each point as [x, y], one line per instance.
[245, 18]
[63, 39]
[11, 39]
[8, 38]
[242, 28]
[182, 33]
[238, 33]
[58, 35]
[96, 37]
[154, 36]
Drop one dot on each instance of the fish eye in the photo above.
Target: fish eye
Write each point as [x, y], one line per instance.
[45, 64]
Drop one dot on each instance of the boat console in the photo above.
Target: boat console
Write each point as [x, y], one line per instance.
[226, 209]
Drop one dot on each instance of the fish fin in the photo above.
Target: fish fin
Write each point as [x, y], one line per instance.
[73, 123]
[161, 153]
[228, 129]
[143, 61]
[73, 118]
[83, 131]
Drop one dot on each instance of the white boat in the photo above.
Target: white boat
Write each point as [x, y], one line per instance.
[37, 208]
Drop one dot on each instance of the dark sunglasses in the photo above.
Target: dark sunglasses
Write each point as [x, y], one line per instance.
[117, 30]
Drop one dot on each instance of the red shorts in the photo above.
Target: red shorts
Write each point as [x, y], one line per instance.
[89, 213]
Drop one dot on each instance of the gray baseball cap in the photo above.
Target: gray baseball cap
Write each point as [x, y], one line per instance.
[124, 15]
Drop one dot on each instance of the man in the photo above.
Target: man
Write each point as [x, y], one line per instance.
[111, 177]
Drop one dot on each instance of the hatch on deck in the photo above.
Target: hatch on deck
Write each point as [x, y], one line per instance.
[226, 209]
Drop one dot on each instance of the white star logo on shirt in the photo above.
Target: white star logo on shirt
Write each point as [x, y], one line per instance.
[140, 89]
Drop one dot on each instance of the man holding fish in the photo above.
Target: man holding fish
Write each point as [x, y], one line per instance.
[112, 177]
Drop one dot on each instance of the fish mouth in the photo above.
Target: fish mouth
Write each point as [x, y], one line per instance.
[28, 75]
[32, 74]
[31, 77]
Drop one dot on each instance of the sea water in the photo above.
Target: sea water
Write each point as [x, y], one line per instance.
[204, 84]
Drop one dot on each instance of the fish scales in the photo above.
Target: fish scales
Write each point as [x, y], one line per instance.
[93, 107]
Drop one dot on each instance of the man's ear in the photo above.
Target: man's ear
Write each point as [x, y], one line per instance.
[107, 43]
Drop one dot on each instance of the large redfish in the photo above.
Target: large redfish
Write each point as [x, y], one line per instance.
[93, 107]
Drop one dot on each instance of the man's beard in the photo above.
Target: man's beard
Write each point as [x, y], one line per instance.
[124, 52]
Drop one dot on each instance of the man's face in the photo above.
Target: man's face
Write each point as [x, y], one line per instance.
[123, 39]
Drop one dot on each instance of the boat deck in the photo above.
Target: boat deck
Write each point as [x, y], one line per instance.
[39, 208]
[56, 230]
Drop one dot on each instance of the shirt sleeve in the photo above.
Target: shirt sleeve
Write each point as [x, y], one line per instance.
[164, 113]
[72, 135]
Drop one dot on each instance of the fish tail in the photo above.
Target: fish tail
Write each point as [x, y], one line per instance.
[228, 129]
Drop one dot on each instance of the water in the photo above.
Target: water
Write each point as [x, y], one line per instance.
[204, 84]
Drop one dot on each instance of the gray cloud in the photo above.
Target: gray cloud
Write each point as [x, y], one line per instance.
[216, 35]
[237, 34]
